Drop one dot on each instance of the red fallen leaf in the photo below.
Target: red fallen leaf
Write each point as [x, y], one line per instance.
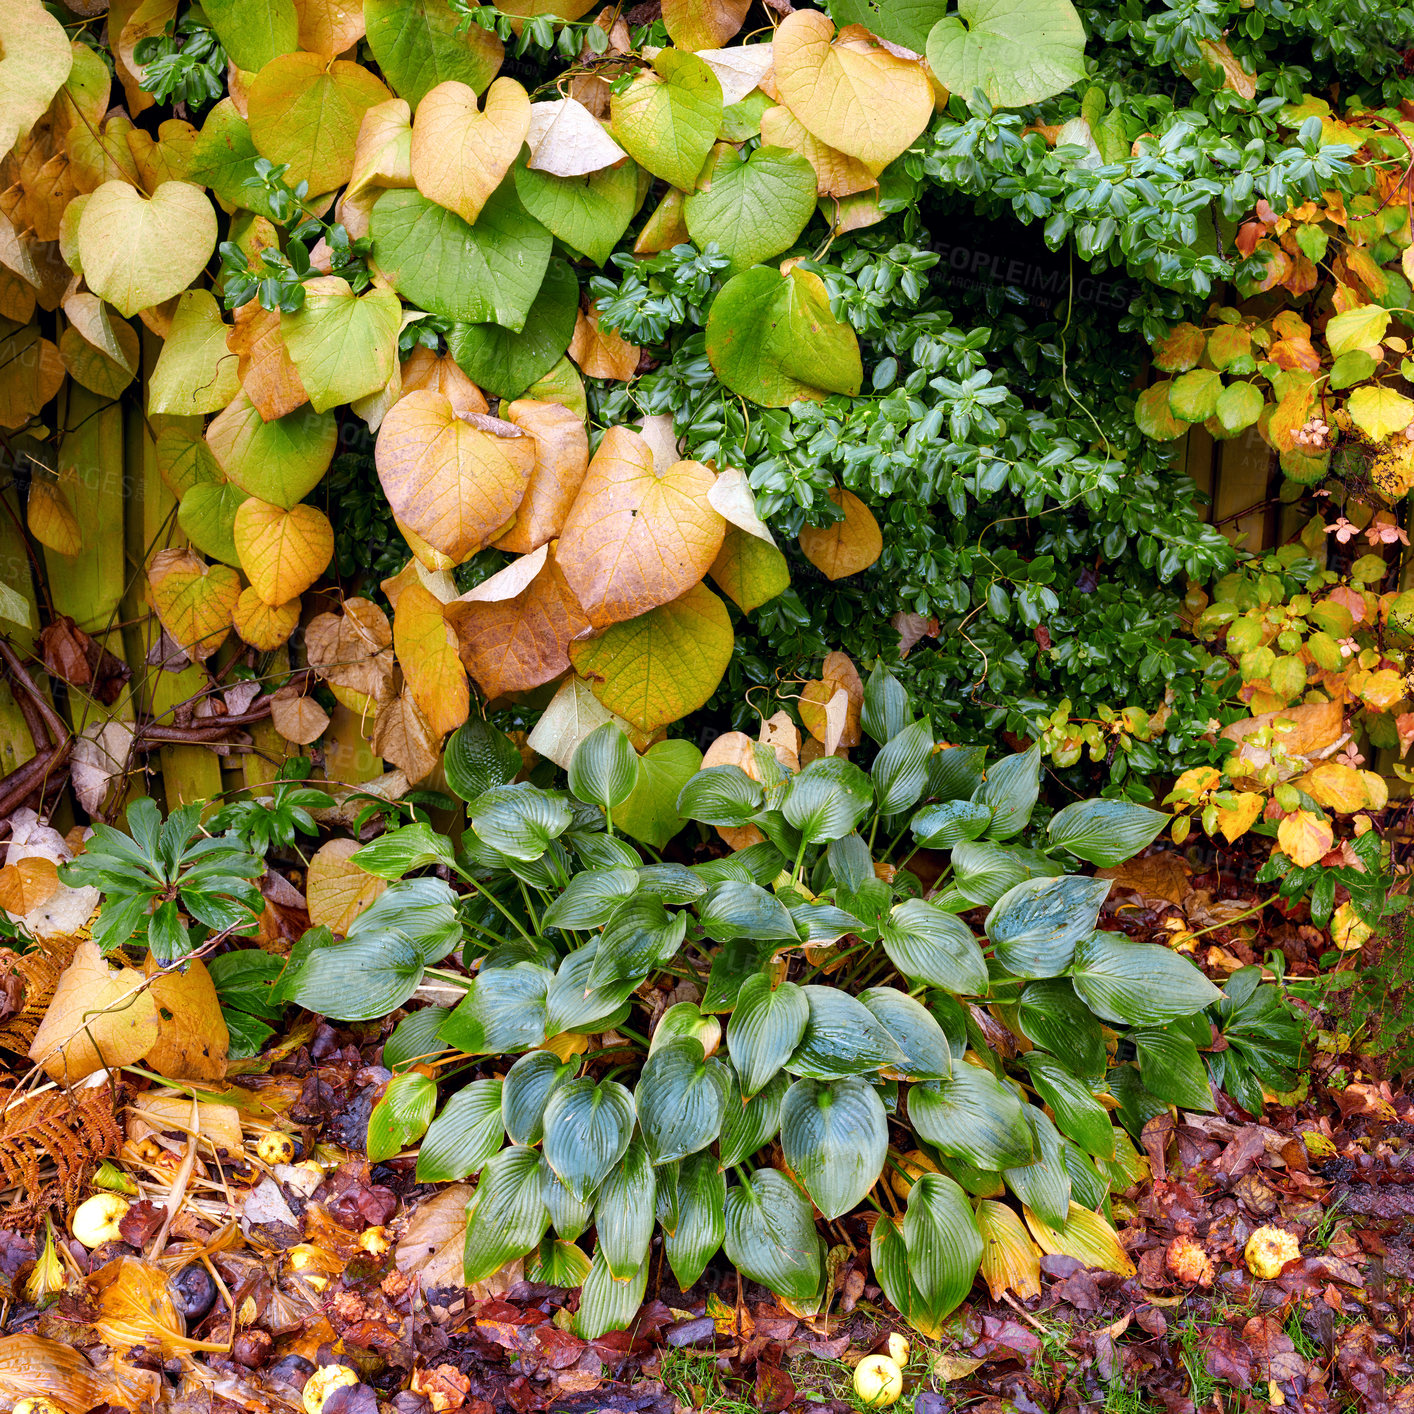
[445, 1387]
[71, 654]
[141, 1221]
[1042, 635]
[1226, 1358]
[560, 1348]
[775, 1389]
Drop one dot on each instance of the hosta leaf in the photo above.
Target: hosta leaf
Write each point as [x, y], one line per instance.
[1172, 1069]
[1016, 51]
[1044, 1184]
[682, 1099]
[604, 768]
[739, 910]
[944, 1246]
[900, 770]
[414, 1038]
[766, 1026]
[930, 945]
[948, 824]
[587, 1130]
[526, 1091]
[1138, 983]
[1036, 924]
[558, 1263]
[751, 1123]
[357, 980]
[841, 1038]
[1078, 1113]
[834, 1137]
[827, 799]
[984, 871]
[686, 1019]
[701, 1222]
[626, 1211]
[401, 1115]
[1010, 1261]
[771, 1235]
[568, 1215]
[606, 1304]
[1086, 1236]
[640, 936]
[464, 1136]
[1010, 790]
[506, 1216]
[504, 1010]
[1053, 1017]
[974, 1116]
[572, 1004]
[926, 1053]
[720, 795]
[823, 922]
[519, 820]
[955, 773]
[1105, 832]
[591, 898]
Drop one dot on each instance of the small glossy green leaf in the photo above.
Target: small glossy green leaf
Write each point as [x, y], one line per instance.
[1053, 1017]
[1172, 1069]
[828, 799]
[640, 936]
[519, 820]
[1079, 1114]
[950, 822]
[569, 1215]
[1044, 1184]
[591, 899]
[558, 1263]
[720, 795]
[737, 910]
[415, 1038]
[955, 773]
[984, 871]
[356, 980]
[606, 1304]
[885, 711]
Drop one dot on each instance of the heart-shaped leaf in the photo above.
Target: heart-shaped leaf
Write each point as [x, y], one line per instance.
[504, 1010]
[269, 377]
[194, 601]
[453, 479]
[587, 1130]
[748, 570]
[253, 32]
[667, 118]
[834, 1137]
[681, 1099]
[735, 909]
[207, 516]
[138, 251]
[703, 24]
[266, 627]
[345, 346]
[461, 152]
[282, 552]
[464, 1136]
[751, 1123]
[771, 1235]
[421, 43]
[561, 460]
[1141, 984]
[1036, 924]
[840, 1038]
[604, 768]
[752, 209]
[837, 174]
[35, 59]
[926, 1053]
[506, 1216]
[701, 1225]
[526, 1091]
[848, 90]
[280, 461]
[194, 373]
[650, 812]
[590, 212]
[928, 944]
[1016, 51]
[848, 545]
[567, 140]
[635, 538]
[426, 646]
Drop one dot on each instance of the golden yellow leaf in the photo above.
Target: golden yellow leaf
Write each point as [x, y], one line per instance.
[282, 551]
[98, 1017]
[561, 460]
[1349, 932]
[192, 1039]
[453, 479]
[1341, 788]
[337, 891]
[51, 518]
[297, 718]
[634, 539]
[1235, 820]
[703, 24]
[426, 649]
[515, 629]
[35, 59]
[839, 675]
[1010, 1261]
[1304, 838]
[1086, 1236]
[268, 374]
[438, 583]
[404, 736]
[836, 173]
[31, 372]
[196, 602]
[264, 626]
[28, 883]
[133, 21]
[601, 353]
[665, 228]
[426, 371]
[168, 157]
[329, 26]
[1308, 730]
[382, 151]
[849, 545]
[461, 153]
[851, 93]
[195, 372]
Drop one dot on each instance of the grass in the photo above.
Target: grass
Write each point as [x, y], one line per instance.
[1120, 1399]
[693, 1379]
[1320, 1236]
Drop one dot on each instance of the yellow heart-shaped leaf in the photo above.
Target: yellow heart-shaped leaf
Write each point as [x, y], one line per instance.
[1304, 838]
[461, 152]
[31, 372]
[849, 545]
[282, 551]
[195, 372]
[703, 24]
[634, 539]
[426, 649]
[329, 26]
[425, 371]
[848, 91]
[454, 479]
[35, 59]
[561, 460]
[195, 602]
[51, 518]
[336, 890]
[836, 172]
[138, 250]
[264, 626]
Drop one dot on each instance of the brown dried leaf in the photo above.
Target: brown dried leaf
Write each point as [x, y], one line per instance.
[297, 718]
[337, 891]
[192, 1039]
[403, 735]
[601, 353]
[561, 461]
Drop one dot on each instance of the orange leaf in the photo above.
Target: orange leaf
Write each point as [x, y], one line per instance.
[195, 602]
[461, 153]
[282, 552]
[849, 545]
[426, 649]
[601, 353]
[561, 460]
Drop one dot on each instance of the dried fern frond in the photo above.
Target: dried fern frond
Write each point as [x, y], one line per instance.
[49, 1141]
[38, 973]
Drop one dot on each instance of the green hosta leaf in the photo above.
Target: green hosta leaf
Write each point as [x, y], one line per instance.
[626, 1211]
[758, 863]
[673, 883]
[507, 361]
[401, 1115]
[685, 1019]
[956, 773]
[944, 1247]
[356, 980]
[1053, 1017]
[558, 1263]
[751, 1123]
[667, 118]
[948, 824]
[681, 1098]
[1010, 790]
[1078, 1113]
[1036, 924]
[751, 209]
[606, 1304]
[974, 1116]
[885, 711]
[464, 1136]
[720, 795]
[1016, 51]
[587, 1130]
[851, 865]
[1044, 1184]
[604, 768]
[984, 871]
[572, 1004]
[591, 899]
[506, 1216]
[1088, 1186]
[1142, 984]
[519, 820]
[478, 758]
[423, 910]
[771, 1236]
[926, 1053]
[737, 910]
[766, 1026]
[1105, 832]
[400, 851]
[771, 338]
[841, 1038]
[1172, 1069]
[642, 935]
[601, 851]
[828, 799]
[900, 770]
[701, 1221]
[823, 922]
[490, 272]
[504, 1010]
[650, 812]
[929, 945]
[526, 1091]
[732, 964]
[588, 214]
[834, 1137]
[888, 1256]
[569, 1216]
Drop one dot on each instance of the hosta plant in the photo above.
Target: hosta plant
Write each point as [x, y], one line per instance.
[727, 1049]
